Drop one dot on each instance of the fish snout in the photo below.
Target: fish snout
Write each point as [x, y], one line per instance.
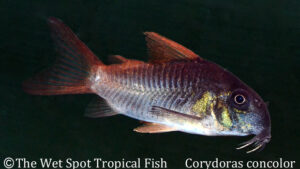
[258, 142]
[261, 123]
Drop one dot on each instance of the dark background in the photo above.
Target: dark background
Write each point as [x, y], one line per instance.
[257, 40]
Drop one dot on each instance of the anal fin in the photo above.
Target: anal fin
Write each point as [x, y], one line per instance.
[99, 108]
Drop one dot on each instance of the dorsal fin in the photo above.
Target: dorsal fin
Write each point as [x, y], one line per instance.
[162, 49]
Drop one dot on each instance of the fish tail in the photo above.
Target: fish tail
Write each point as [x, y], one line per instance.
[71, 71]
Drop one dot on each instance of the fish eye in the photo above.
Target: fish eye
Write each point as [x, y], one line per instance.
[239, 99]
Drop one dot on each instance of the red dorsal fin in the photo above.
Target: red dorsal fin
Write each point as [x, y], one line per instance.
[70, 73]
[162, 49]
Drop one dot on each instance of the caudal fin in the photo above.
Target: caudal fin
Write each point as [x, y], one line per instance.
[69, 74]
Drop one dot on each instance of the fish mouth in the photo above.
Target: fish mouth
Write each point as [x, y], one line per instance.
[258, 142]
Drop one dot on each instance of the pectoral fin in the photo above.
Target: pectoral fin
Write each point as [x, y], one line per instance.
[153, 128]
[166, 116]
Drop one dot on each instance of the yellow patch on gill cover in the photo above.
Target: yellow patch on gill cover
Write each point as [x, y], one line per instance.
[226, 121]
[200, 106]
[239, 111]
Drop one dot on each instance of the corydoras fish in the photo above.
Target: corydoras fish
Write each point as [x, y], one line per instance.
[175, 91]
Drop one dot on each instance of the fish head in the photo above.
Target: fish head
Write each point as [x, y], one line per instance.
[227, 106]
[243, 112]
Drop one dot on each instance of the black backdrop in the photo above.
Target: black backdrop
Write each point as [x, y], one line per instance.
[259, 41]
